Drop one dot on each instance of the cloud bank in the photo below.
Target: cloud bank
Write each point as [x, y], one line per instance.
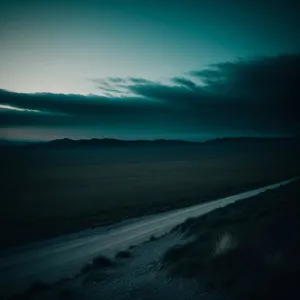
[258, 95]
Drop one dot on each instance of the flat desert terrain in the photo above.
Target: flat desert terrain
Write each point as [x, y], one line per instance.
[48, 192]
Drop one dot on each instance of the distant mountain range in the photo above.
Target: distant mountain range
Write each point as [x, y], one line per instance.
[69, 143]
[109, 142]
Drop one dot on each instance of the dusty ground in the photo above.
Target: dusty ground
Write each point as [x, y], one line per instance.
[138, 276]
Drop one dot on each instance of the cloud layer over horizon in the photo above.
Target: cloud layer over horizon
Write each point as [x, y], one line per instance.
[257, 96]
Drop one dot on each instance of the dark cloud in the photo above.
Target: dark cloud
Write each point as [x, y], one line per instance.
[185, 82]
[174, 95]
[139, 80]
[265, 77]
[76, 105]
[116, 79]
[258, 96]
[270, 83]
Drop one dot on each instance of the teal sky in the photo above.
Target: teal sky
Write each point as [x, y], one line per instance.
[146, 69]
[57, 46]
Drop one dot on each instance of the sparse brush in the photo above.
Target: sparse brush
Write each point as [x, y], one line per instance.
[102, 261]
[124, 254]
[152, 238]
[86, 268]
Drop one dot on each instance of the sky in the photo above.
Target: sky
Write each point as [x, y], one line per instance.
[148, 69]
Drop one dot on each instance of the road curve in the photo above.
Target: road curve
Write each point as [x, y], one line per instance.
[62, 257]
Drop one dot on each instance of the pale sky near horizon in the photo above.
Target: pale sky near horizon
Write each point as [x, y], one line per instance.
[58, 46]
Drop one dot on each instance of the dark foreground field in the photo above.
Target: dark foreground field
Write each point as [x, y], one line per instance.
[247, 250]
[47, 192]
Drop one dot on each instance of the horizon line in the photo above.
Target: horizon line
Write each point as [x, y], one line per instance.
[148, 140]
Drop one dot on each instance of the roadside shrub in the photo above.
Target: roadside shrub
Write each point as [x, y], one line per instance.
[102, 261]
[124, 254]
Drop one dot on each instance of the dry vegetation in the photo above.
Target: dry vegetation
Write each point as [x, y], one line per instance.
[247, 250]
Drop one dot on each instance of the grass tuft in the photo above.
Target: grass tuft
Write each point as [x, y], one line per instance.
[102, 261]
[124, 255]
